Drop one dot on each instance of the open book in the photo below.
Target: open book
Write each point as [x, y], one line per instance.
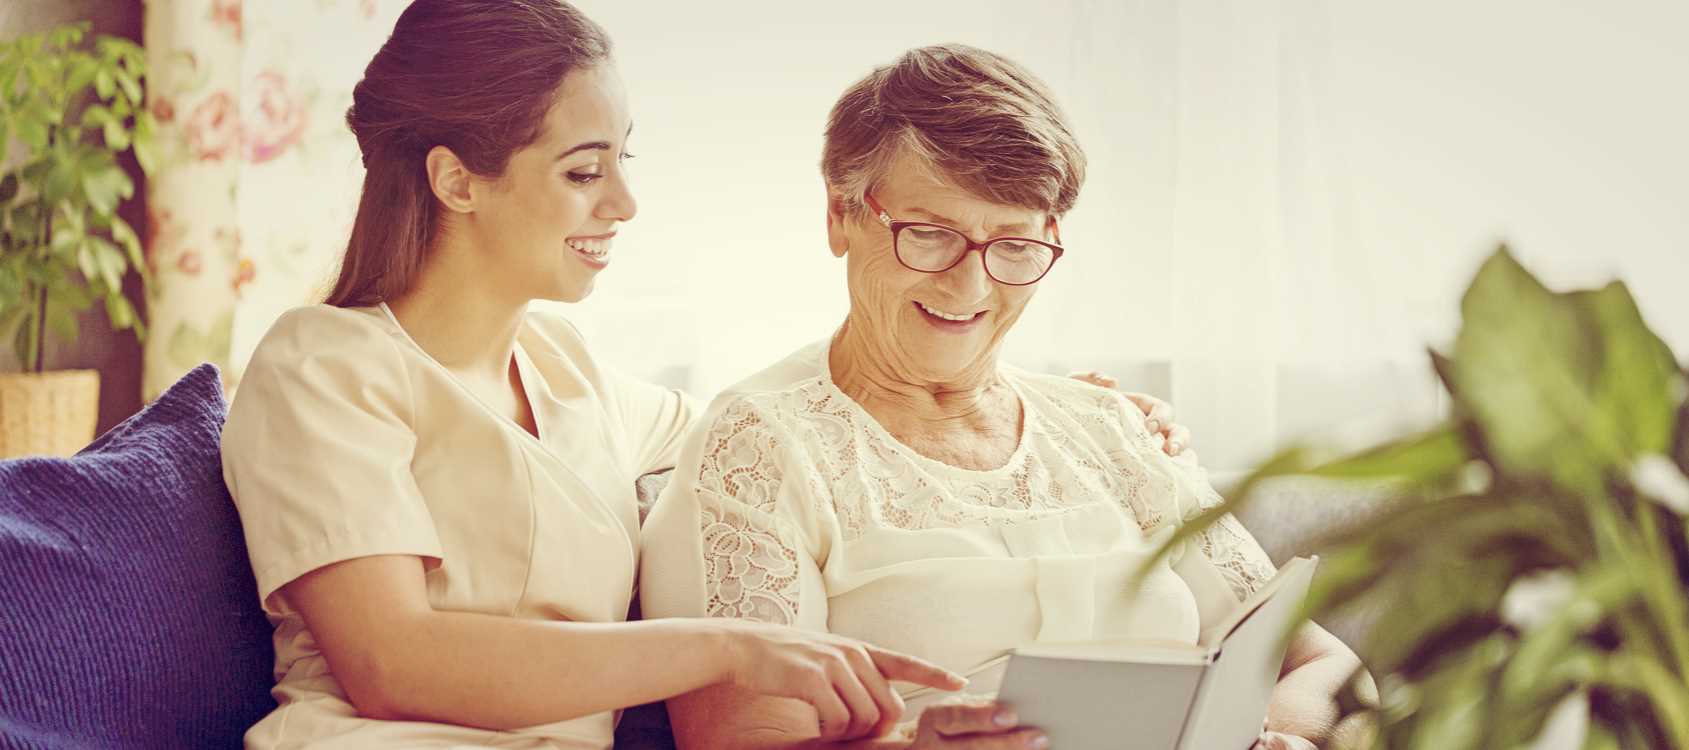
[1138, 695]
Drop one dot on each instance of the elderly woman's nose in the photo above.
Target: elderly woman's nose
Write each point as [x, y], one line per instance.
[967, 281]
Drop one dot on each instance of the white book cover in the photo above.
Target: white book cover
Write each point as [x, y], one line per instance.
[1146, 695]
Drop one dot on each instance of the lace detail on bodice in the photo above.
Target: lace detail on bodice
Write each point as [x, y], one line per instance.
[811, 452]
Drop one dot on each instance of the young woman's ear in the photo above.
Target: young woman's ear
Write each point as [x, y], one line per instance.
[449, 180]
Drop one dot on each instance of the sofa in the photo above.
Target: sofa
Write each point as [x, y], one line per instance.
[129, 617]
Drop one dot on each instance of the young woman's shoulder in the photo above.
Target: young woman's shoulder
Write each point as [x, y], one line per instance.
[318, 331]
[328, 349]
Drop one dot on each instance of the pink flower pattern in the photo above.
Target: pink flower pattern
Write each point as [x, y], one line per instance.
[274, 118]
[227, 14]
[214, 127]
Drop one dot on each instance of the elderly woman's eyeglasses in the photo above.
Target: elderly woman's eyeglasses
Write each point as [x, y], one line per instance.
[935, 248]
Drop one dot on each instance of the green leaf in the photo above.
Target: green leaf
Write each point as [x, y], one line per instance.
[62, 177]
[86, 262]
[68, 35]
[131, 244]
[106, 187]
[10, 66]
[26, 222]
[82, 70]
[1525, 361]
[104, 83]
[32, 131]
[117, 138]
[96, 115]
[23, 339]
[40, 74]
[144, 144]
[1600, 738]
[1680, 442]
[70, 292]
[1424, 458]
[1637, 386]
[11, 292]
[1596, 593]
[120, 312]
[131, 87]
[110, 263]
[62, 320]
[66, 238]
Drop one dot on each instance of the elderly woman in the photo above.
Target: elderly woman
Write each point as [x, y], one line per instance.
[897, 483]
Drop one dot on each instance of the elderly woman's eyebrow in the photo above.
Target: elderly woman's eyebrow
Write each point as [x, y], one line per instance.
[938, 218]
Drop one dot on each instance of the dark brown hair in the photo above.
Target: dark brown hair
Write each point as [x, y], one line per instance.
[979, 120]
[475, 76]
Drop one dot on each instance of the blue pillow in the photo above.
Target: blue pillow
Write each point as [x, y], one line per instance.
[129, 617]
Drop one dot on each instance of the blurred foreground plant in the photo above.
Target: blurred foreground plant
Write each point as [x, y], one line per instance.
[1536, 550]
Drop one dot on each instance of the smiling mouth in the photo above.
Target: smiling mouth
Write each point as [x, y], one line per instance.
[950, 318]
[593, 248]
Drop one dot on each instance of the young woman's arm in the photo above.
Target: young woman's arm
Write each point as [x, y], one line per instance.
[398, 658]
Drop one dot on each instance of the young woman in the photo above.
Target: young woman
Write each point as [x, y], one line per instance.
[436, 484]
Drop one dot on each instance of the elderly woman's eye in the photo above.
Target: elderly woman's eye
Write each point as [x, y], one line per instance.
[929, 237]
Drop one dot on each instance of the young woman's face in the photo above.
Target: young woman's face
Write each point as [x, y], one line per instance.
[547, 223]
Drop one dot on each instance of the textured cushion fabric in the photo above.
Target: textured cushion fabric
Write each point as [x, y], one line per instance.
[1295, 515]
[129, 617]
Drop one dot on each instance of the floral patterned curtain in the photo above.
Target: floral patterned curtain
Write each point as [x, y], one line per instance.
[259, 176]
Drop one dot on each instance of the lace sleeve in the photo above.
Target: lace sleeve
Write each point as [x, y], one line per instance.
[1158, 489]
[1227, 545]
[751, 565]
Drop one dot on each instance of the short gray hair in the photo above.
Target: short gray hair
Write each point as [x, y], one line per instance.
[979, 120]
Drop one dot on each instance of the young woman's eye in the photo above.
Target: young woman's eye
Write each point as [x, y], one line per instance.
[584, 178]
[625, 156]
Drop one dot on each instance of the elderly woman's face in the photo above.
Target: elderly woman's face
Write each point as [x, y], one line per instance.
[932, 327]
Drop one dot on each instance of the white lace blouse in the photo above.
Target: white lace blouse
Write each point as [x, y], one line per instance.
[790, 504]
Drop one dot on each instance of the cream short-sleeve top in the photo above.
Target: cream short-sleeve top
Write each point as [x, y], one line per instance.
[347, 440]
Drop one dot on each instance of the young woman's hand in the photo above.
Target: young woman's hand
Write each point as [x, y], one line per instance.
[1159, 414]
[848, 682]
[982, 726]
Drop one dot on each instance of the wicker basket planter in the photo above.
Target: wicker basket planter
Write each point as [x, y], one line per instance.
[49, 413]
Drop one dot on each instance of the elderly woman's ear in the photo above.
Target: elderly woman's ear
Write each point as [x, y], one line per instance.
[838, 226]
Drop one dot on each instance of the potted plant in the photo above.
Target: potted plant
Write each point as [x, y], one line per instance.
[1536, 557]
[74, 112]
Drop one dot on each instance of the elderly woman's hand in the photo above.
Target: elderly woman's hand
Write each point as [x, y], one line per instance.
[1175, 438]
[980, 726]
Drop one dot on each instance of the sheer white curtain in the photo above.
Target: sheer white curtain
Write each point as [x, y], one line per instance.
[1285, 198]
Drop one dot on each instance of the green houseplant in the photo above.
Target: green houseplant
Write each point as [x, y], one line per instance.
[1560, 472]
[63, 248]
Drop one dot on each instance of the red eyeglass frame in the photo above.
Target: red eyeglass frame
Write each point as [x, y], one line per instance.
[897, 226]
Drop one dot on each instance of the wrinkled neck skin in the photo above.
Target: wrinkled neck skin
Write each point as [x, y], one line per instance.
[973, 403]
